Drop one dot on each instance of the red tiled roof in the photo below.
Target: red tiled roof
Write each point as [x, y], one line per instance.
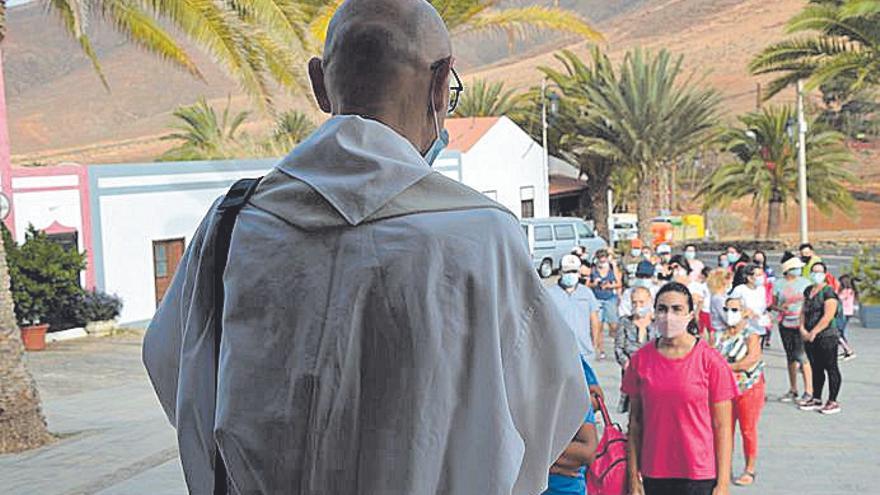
[565, 185]
[464, 133]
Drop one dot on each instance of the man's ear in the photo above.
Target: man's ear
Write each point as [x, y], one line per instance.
[316, 75]
[441, 90]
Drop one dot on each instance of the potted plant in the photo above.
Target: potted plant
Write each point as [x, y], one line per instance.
[100, 311]
[43, 275]
[33, 332]
[866, 272]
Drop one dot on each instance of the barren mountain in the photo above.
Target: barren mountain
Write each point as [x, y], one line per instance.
[59, 111]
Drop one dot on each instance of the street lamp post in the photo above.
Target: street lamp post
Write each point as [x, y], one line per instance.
[802, 161]
[554, 108]
[546, 169]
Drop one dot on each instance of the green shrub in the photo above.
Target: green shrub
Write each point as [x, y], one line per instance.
[99, 306]
[866, 272]
[45, 280]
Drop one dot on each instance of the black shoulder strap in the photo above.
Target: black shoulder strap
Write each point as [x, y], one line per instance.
[232, 203]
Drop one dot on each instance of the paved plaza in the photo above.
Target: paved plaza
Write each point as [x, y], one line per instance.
[114, 439]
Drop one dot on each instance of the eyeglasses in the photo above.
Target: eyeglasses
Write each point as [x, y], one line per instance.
[731, 310]
[455, 86]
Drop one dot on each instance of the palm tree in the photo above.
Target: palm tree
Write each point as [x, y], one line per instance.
[204, 135]
[485, 16]
[292, 127]
[641, 116]
[765, 166]
[487, 100]
[845, 43]
[22, 425]
[255, 41]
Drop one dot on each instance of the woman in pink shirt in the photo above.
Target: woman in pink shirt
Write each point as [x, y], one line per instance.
[681, 392]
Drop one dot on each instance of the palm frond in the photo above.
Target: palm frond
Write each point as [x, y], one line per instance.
[525, 20]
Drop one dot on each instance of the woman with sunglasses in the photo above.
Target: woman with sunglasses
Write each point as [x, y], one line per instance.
[681, 391]
[741, 346]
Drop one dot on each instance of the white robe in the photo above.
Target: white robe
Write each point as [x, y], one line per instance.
[384, 332]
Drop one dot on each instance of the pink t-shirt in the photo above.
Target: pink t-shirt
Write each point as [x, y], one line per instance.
[677, 436]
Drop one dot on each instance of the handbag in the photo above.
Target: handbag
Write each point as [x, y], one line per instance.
[607, 474]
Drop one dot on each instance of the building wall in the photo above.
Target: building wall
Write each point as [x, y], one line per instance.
[134, 205]
[506, 160]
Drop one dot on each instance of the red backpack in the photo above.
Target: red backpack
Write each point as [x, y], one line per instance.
[607, 474]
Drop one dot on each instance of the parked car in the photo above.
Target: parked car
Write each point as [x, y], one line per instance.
[626, 227]
[552, 238]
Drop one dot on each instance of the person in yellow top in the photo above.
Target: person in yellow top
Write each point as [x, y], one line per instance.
[809, 257]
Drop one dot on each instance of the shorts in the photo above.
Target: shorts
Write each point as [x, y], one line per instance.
[677, 486]
[793, 344]
[608, 311]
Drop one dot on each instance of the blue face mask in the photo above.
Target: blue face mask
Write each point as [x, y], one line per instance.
[568, 280]
[724, 263]
[439, 145]
[732, 258]
[442, 140]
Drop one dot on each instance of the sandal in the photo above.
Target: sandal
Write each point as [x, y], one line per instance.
[745, 479]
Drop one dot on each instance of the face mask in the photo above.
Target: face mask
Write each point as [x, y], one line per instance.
[646, 255]
[604, 265]
[642, 282]
[724, 263]
[635, 253]
[732, 257]
[793, 272]
[666, 258]
[805, 259]
[583, 280]
[690, 255]
[643, 312]
[759, 281]
[568, 280]
[680, 273]
[759, 262]
[442, 140]
[818, 278]
[732, 318]
[670, 326]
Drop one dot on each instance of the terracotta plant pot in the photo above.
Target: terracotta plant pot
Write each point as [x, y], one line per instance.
[34, 337]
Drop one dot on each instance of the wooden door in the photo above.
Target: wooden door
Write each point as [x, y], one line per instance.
[166, 257]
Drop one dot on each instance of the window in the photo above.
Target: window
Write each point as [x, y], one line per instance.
[66, 240]
[528, 208]
[526, 230]
[160, 257]
[583, 231]
[543, 234]
[564, 232]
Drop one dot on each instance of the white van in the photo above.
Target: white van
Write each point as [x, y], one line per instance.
[552, 238]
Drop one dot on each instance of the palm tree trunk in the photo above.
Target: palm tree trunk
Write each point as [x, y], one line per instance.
[774, 216]
[22, 425]
[645, 203]
[598, 184]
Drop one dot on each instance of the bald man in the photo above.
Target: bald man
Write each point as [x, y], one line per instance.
[350, 360]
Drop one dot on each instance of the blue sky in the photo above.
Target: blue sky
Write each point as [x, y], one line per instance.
[12, 3]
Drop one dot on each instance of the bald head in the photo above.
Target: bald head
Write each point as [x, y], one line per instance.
[375, 46]
[377, 63]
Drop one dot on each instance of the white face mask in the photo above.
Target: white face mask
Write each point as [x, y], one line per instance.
[670, 326]
[733, 318]
[759, 281]
[818, 278]
[680, 273]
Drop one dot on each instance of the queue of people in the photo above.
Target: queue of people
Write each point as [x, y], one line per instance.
[689, 340]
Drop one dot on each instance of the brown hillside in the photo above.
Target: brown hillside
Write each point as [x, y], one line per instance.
[716, 37]
[59, 111]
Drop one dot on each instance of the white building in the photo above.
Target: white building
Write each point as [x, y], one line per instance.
[134, 221]
[496, 157]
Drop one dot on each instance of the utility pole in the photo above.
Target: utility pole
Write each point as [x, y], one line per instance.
[546, 169]
[802, 161]
[759, 101]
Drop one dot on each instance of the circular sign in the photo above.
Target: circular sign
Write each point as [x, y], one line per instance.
[4, 206]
